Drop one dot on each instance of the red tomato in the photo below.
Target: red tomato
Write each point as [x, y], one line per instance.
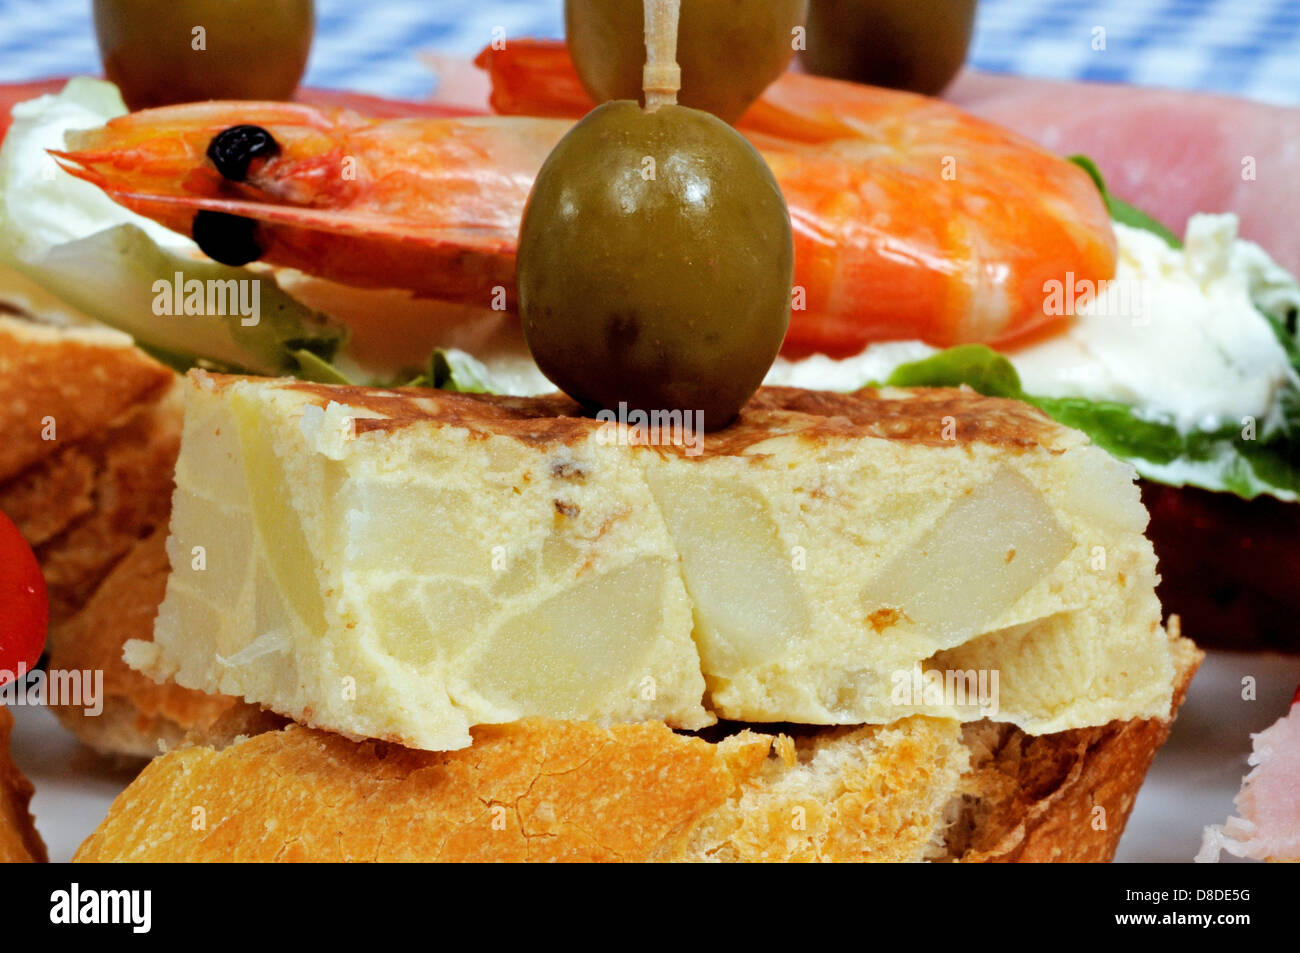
[24, 608]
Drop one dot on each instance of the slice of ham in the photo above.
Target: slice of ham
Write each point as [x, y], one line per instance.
[1170, 153]
[1269, 802]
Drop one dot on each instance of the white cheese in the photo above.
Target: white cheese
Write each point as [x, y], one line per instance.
[819, 372]
[1175, 334]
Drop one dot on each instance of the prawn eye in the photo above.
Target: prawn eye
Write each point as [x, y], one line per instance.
[231, 150]
[226, 238]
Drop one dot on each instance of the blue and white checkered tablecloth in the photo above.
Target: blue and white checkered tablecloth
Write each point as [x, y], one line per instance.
[1243, 47]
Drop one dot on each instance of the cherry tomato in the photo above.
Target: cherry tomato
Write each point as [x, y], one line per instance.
[24, 607]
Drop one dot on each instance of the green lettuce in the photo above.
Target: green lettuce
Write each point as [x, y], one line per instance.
[120, 276]
[1222, 460]
[447, 369]
[450, 369]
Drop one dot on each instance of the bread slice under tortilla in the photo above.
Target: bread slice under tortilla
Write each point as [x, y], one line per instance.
[89, 432]
[921, 788]
[406, 564]
[140, 717]
[19, 841]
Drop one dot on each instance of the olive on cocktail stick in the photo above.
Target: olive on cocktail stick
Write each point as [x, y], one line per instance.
[655, 256]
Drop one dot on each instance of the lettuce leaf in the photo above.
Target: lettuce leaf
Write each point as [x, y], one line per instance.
[1223, 460]
[318, 369]
[976, 366]
[447, 369]
[455, 370]
[120, 277]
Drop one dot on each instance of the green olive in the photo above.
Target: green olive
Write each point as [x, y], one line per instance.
[174, 51]
[904, 44]
[655, 263]
[729, 50]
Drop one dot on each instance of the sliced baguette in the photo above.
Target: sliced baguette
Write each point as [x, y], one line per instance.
[539, 790]
[19, 841]
[89, 431]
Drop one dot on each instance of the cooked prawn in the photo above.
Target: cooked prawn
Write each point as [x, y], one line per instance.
[912, 219]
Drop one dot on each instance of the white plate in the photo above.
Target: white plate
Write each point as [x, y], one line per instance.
[1191, 784]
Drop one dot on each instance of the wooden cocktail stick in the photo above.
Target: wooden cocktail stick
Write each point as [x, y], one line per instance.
[662, 77]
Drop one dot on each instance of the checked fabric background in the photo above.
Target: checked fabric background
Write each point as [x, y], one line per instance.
[1245, 48]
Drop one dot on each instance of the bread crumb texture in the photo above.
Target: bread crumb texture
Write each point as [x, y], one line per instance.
[544, 790]
[92, 428]
[19, 842]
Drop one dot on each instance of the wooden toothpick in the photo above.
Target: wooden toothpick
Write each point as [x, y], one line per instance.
[662, 77]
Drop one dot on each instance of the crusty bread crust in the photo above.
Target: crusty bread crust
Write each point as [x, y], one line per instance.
[82, 380]
[94, 503]
[920, 789]
[139, 714]
[89, 501]
[19, 842]
[535, 790]
[1063, 797]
